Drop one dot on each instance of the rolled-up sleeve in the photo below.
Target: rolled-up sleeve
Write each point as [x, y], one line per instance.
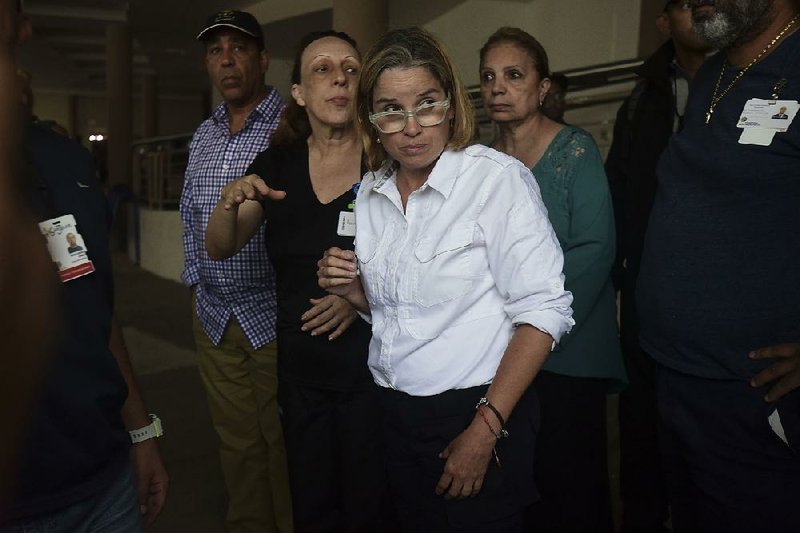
[524, 255]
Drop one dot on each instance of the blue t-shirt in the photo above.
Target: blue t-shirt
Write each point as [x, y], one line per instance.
[720, 272]
[77, 443]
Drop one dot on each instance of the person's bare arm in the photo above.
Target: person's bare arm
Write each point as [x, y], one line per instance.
[152, 480]
[468, 455]
[238, 215]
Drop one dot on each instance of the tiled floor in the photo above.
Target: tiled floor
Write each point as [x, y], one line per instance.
[155, 315]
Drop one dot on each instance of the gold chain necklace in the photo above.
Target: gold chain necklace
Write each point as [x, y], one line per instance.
[714, 98]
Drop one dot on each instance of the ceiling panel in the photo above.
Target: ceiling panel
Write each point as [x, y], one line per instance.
[68, 49]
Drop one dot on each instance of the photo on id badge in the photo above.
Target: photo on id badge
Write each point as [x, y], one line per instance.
[67, 247]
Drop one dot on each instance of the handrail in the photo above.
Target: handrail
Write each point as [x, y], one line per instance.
[158, 167]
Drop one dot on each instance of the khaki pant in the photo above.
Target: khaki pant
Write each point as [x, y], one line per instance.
[241, 384]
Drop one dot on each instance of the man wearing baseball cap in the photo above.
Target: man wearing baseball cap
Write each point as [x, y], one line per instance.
[234, 300]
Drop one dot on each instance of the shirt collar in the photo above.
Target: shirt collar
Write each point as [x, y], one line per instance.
[442, 178]
[384, 174]
[444, 173]
[267, 109]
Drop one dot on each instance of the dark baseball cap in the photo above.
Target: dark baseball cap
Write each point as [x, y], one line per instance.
[231, 18]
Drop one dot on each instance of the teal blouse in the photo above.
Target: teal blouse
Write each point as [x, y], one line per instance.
[575, 191]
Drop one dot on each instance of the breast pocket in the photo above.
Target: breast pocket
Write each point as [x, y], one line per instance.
[444, 271]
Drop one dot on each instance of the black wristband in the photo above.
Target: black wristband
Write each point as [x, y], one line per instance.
[493, 409]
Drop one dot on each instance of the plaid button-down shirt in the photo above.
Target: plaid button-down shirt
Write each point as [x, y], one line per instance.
[243, 285]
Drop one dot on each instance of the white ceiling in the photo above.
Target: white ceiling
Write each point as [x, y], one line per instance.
[68, 50]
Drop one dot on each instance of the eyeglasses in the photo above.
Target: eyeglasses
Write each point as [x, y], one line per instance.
[426, 115]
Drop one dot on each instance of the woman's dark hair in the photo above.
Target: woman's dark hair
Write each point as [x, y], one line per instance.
[524, 40]
[294, 126]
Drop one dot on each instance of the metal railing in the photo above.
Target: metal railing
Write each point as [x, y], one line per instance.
[158, 167]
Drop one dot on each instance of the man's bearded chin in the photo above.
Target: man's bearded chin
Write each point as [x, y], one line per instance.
[732, 22]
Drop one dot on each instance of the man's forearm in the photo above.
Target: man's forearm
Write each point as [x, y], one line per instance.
[134, 411]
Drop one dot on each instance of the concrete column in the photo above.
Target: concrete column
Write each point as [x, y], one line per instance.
[649, 37]
[150, 106]
[364, 20]
[73, 124]
[119, 95]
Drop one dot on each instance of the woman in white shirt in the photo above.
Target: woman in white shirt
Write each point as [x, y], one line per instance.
[459, 271]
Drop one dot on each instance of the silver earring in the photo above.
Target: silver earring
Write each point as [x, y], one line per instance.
[379, 141]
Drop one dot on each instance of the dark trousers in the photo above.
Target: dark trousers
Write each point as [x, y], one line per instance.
[643, 484]
[418, 428]
[571, 458]
[337, 466]
[728, 470]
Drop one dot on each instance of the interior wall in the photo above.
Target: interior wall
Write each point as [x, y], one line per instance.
[52, 106]
[178, 116]
[279, 75]
[600, 31]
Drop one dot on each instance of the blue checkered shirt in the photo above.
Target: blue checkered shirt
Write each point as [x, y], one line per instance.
[242, 286]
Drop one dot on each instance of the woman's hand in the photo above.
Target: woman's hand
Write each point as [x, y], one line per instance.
[232, 225]
[337, 270]
[250, 187]
[468, 456]
[337, 273]
[329, 313]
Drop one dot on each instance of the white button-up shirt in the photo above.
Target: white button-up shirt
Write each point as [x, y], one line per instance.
[448, 279]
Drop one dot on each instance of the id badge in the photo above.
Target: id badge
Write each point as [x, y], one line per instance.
[347, 224]
[775, 115]
[762, 119]
[67, 247]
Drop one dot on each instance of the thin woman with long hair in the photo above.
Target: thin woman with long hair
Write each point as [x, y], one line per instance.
[304, 185]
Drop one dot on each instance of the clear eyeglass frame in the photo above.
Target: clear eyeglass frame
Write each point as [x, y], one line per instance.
[444, 105]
